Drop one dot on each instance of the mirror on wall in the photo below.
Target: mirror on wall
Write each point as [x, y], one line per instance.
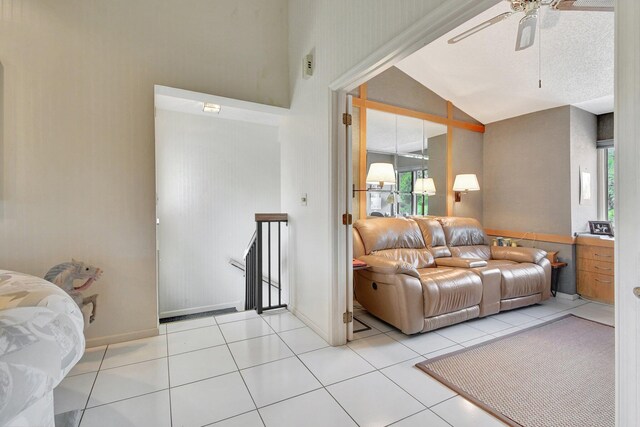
[417, 149]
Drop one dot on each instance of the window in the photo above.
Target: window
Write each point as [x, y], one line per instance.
[422, 200]
[606, 185]
[409, 203]
[405, 195]
[610, 189]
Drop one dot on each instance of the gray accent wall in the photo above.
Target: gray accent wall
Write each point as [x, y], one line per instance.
[394, 87]
[467, 149]
[436, 165]
[531, 176]
[526, 173]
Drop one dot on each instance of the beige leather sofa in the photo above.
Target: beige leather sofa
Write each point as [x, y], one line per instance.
[425, 273]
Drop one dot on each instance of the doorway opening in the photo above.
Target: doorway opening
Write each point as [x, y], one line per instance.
[452, 82]
[217, 165]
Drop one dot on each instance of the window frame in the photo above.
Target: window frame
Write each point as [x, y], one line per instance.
[414, 198]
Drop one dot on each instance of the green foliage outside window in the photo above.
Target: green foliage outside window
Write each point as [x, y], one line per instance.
[405, 187]
[408, 203]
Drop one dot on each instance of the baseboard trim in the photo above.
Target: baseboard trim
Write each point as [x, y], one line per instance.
[113, 339]
[570, 297]
[311, 324]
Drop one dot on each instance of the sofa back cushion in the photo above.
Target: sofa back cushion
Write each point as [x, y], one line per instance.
[462, 231]
[417, 258]
[433, 236]
[389, 233]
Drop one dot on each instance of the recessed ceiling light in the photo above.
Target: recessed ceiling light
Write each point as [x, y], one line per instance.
[211, 108]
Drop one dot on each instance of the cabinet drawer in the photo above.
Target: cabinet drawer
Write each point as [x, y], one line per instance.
[595, 252]
[596, 266]
[596, 286]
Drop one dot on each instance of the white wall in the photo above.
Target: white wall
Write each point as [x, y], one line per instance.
[583, 158]
[77, 171]
[343, 34]
[213, 175]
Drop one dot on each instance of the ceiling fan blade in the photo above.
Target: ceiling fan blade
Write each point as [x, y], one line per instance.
[584, 5]
[527, 31]
[480, 27]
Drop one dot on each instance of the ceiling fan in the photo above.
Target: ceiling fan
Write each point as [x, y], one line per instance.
[528, 23]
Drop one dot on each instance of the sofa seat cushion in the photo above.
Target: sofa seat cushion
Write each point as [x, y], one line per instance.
[446, 290]
[521, 279]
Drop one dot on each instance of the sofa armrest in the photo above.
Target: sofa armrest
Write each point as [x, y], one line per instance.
[381, 265]
[461, 262]
[517, 254]
[546, 287]
[491, 290]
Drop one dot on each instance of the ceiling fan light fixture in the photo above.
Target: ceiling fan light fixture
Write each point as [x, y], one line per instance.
[527, 30]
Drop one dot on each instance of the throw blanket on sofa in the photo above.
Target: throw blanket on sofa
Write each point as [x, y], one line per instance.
[41, 339]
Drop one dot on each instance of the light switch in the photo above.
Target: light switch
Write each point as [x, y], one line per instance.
[303, 199]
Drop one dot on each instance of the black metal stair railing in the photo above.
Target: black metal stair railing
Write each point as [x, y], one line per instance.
[254, 258]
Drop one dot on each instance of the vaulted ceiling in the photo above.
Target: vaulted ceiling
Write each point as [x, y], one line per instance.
[484, 75]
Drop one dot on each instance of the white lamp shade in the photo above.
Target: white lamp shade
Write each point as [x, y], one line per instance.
[381, 173]
[466, 182]
[425, 186]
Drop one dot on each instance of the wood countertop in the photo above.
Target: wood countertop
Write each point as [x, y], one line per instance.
[591, 240]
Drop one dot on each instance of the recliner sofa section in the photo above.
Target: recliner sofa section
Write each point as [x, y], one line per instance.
[425, 273]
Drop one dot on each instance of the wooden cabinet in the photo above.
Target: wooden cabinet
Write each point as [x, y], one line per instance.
[595, 268]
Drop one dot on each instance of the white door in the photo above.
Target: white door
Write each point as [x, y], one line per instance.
[349, 210]
[627, 146]
[344, 209]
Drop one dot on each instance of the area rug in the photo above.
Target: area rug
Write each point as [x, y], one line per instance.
[559, 373]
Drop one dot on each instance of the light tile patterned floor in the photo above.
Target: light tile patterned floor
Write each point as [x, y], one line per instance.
[242, 369]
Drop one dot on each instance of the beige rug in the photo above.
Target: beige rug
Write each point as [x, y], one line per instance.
[559, 373]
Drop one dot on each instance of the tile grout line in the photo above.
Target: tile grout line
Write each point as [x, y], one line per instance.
[129, 398]
[419, 412]
[169, 381]
[375, 369]
[233, 416]
[93, 385]
[243, 382]
[314, 376]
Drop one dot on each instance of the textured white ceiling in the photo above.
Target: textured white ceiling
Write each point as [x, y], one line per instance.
[485, 77]
[384, 130]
